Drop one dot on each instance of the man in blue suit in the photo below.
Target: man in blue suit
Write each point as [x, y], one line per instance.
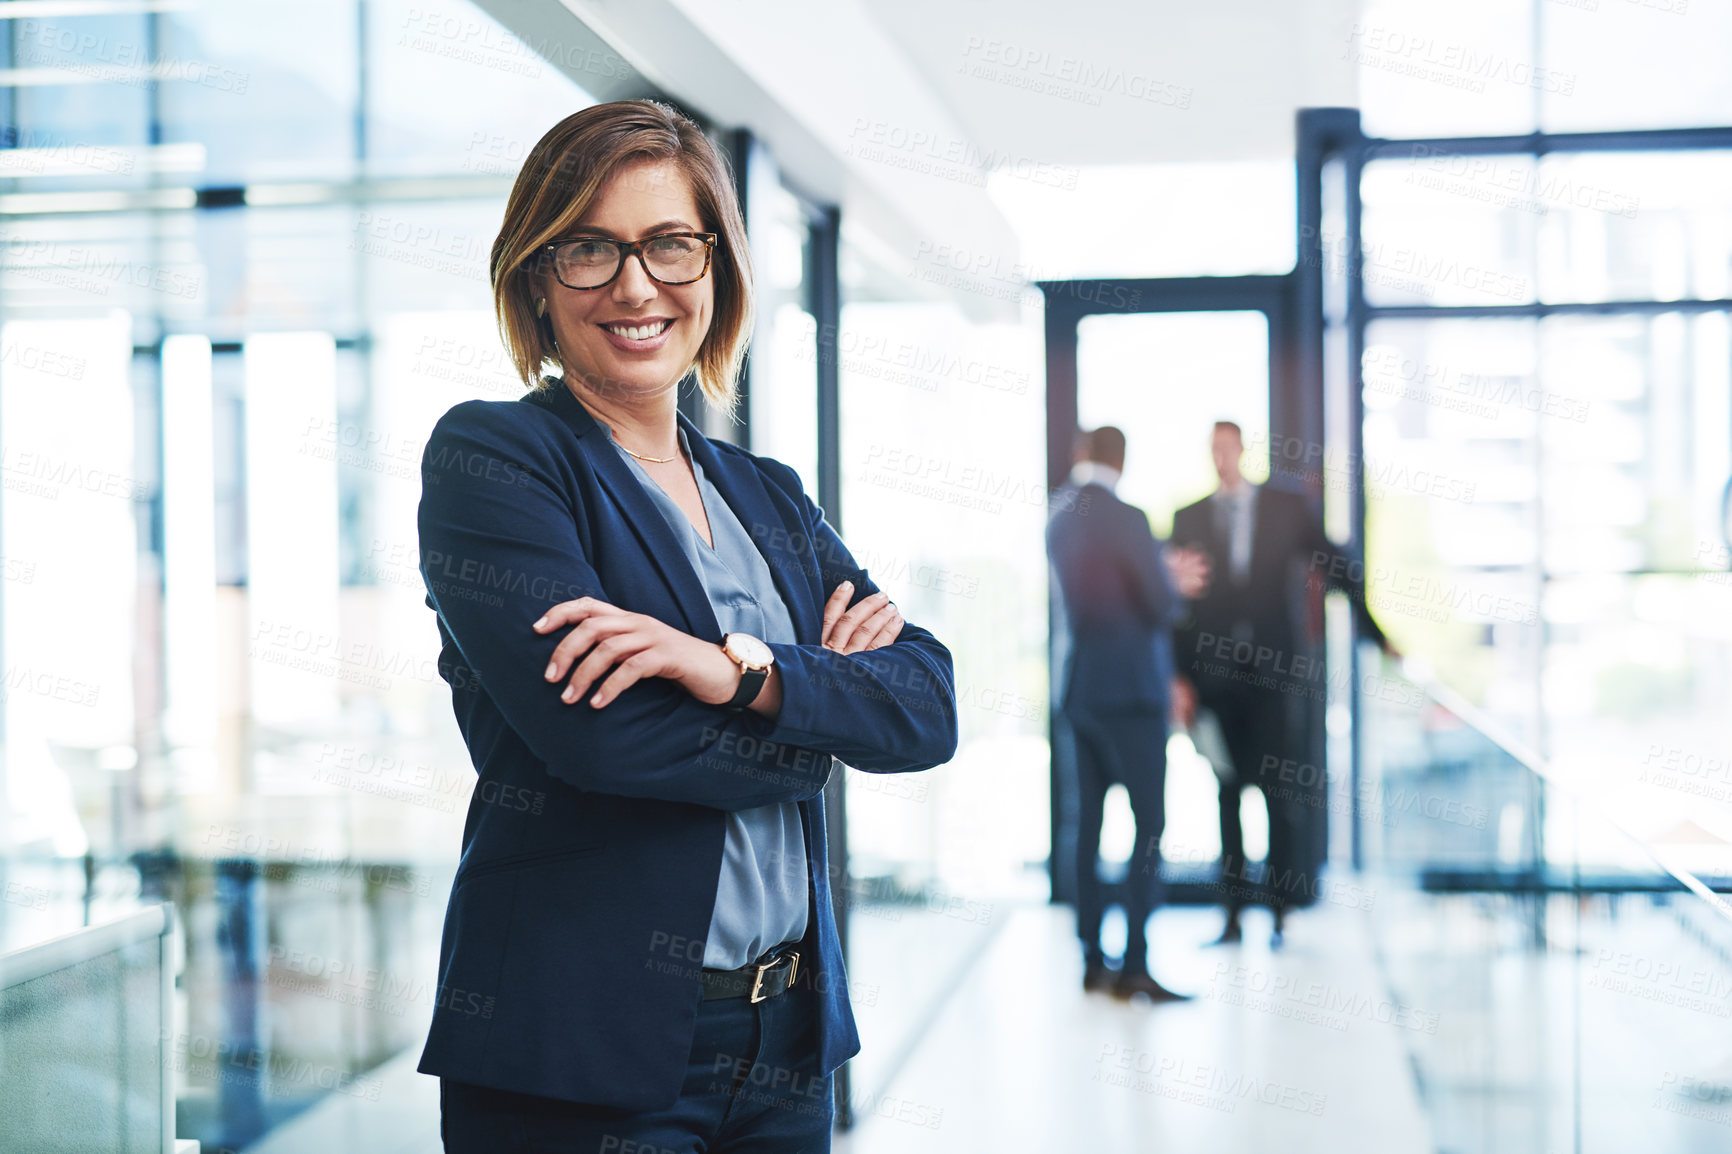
[1121, 599]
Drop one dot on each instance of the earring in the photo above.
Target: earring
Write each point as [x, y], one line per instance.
[540, 306]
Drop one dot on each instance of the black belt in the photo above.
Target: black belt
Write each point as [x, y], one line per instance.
[769, 976]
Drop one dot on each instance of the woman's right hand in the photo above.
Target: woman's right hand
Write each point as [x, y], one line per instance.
[872, 624]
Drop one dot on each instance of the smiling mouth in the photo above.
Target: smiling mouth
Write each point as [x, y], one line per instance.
[641, 332]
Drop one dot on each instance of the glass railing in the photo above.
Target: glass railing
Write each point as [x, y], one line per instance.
[1567, 985]
[296, 977]
[85, 1024]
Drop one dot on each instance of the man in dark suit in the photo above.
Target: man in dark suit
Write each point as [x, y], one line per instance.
[1244, 654]
[1121, 597]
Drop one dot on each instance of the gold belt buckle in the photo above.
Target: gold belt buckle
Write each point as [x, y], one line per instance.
[763, 967]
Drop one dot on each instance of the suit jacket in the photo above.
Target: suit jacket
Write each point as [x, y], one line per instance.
[1286, 541]
[1119, 605]
[574, 937]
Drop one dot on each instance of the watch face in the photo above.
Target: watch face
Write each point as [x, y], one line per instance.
[748, 650]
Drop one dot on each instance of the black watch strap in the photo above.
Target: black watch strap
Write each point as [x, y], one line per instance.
[751, 682]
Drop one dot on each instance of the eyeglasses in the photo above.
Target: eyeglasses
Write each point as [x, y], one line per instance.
[670, 258]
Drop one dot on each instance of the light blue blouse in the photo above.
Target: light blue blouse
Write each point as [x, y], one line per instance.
[762, 894]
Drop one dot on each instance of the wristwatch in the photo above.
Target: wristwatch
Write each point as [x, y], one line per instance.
[754, 659]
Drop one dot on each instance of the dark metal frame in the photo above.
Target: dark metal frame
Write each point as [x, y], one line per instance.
[824, 299]
[626, 249]
[1298, 306]
[1067, 303]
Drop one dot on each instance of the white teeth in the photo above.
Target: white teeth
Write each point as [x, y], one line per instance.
[639, 332]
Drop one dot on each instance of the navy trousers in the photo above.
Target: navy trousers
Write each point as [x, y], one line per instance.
[1258, 725]
[1127, 747]
[751, 1085]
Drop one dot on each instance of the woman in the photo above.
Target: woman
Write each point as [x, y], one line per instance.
[656, 645]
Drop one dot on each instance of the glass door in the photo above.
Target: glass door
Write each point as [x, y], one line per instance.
[1164, 379]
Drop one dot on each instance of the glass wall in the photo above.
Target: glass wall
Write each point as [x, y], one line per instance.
[243, 272]
[943, 499]
[783, 395]
[1548, 447]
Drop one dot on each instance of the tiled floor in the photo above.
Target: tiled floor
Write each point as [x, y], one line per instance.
[1288, 1051]
[402, 1119]
[1022, 1060]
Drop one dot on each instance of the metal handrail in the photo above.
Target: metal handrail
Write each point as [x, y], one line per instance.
[1530, 759]
[82, 945]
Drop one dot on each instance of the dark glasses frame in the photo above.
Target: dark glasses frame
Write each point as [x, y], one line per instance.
[626, 249]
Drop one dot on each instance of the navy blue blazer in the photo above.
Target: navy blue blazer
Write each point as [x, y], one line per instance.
[1119, 605]
[1267, 610]
[574, 938]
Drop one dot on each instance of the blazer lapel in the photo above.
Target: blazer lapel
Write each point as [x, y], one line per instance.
[646, 520]
[774, 524]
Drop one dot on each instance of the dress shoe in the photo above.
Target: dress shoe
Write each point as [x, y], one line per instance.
[1097, 977]
[1135, 982]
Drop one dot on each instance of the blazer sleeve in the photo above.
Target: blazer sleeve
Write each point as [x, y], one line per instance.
[1338, 569]
[499, 546]
[888, 710]
[1146, 571]
[1187, 533]
[1187, 529]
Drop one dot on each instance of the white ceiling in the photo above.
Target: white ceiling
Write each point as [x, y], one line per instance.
[1227, 75]
[903, 111]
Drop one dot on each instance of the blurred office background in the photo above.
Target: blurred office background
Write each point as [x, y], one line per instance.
[1460, 270]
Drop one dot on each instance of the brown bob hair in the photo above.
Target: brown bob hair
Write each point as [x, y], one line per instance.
[560, 180]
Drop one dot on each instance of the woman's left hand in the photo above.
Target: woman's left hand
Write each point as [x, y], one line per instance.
[634, 646]
[872, 624]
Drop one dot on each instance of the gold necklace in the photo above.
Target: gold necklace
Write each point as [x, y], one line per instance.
[655, 460]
